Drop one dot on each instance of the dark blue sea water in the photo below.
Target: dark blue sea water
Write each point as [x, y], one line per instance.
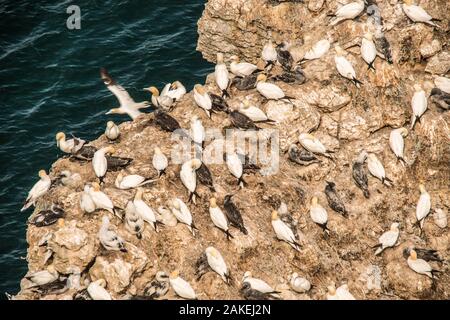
[49, 82]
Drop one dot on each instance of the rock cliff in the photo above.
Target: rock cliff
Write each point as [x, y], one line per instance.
[346, 119]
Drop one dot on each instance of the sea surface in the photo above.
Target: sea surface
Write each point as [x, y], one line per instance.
[49, 82]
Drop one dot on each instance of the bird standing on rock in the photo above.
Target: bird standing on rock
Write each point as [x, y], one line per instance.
[221, 75]
[368, 50]
[133, 221]
[270, 91]
[109, 239]
[344, 67]
[218, 218]
[283, 231]
[360, 175]
[387, 239]
[397, 143]
[39, 189]
[188, 176]
[181, 287]
[217, 264]
[348, 11]
[419, 105]
[99, 162]
[376, 169]
[112, 131]
[143, 210]
[241, 69]
[312, 144]
[202, 99]
[233, 214]
[319, 215]
[165, 121]
[163, 102]
[269, 54]
[423, 206]
[181, 211]
[100, 199]
[417, 13]
[334, 200]
[159, 161]
[420, 266]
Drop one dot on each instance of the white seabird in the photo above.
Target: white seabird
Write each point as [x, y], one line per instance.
[181, 286]
[176, 91]
[368, 50]
[221, 75]
[99, 162]
[397, 143]
[419, 105]
[388, 239]
[218, 217]
[144, 210]
[160, 101]
[318, 214]
[202, 99]
[97, 291]
[133, 221]
[341, 293]
[235, 166]
[269, 54]
[241, 69]
[258, 284]
[86, 202]
[442, 83]
[181, 211]
[70, 146]
[198, 134]
[317, 50]
[299, 284]
[127, 104]
[417, 13]
[312, 144]
[109, 239]
[189, 177]
[131, 181]
[112, 131]
[419, 265]
[253, 112]
[283, 231]
[217, 263]
[43, 277]
[348, 11]
[101, 200]
[159, 161]
[423, 205]
[39, 189]
[344, 67]
[376, 169]
[268, 90]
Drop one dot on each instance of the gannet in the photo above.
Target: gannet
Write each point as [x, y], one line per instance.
[287, 218]
[312, 144]
[159, 161]
[47, 217]
[43, 277]
[127, 104]
[284, 232]
[160, 101]
[68, 179]
[442, 83]
[235, 166]
[423, 205]
[387, 239]
[204, 176]
[181, 211]
[397, 143]
[218, 103]
[86, 202]
[217, 263]
[201, 266]
[244, 83]
[318, 214]
[253, 112]
[158, 287]
[295, 76]
[249, 293]
[241, 121]
[301, 155]
[344, 67]
[317, 50]
[97, 291]
[181, 286]
[176, 90]
[420, 266]
[109, 239]
[417, 13]
[299, 284]
[133, 221]
[71, 146]
[441, 98]
[112, 131]
[241, 69]
[359, 174]
[368, 50]
[284, 57]
[419, 105]
[39, 189]
[198, 134]
[189, 177]
[233, 214]
[348, 11]
[218, 217]
[143, 210]
[376, 169]
[383, 46]
[269, 54]
[334, 200]
[258, 284]
[131, 181]
[101, 200]
[202, 99]
[268, 90]
[343, 293]
[99, 162]
[221, 75]
[166, 122]
[425, 254]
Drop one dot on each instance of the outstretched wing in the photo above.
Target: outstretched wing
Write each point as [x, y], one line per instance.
[120, 93]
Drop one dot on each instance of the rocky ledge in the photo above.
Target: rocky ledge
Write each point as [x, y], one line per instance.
[347, 120]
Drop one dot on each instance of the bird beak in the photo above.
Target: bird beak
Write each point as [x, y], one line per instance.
[109, 112]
